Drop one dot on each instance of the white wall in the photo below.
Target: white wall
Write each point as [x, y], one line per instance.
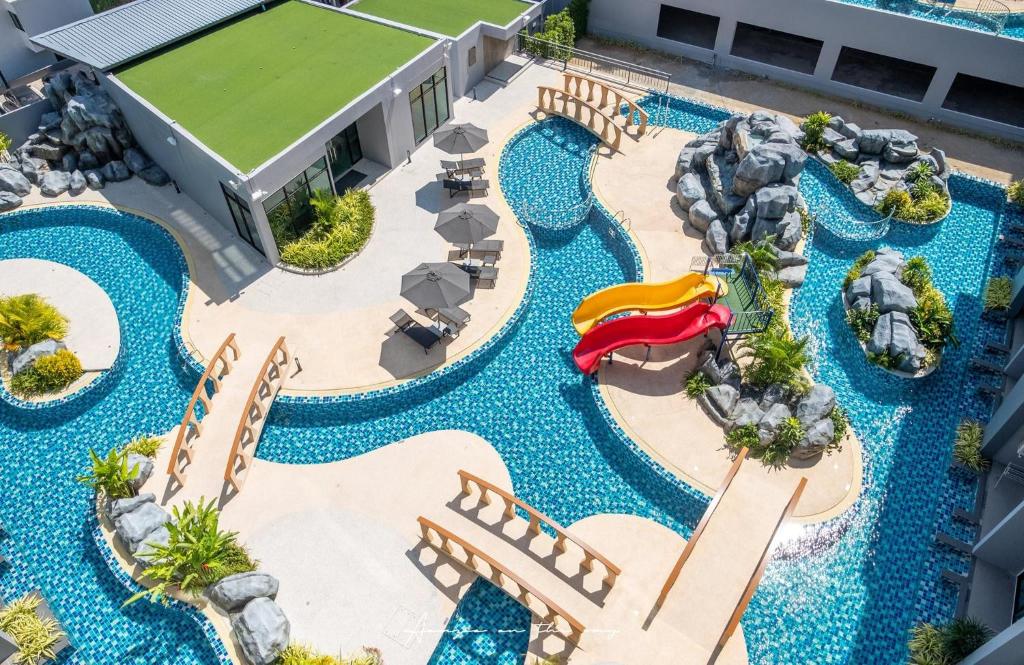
[949, 49]
[18, 57]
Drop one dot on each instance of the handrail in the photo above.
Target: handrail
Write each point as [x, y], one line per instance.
[627, 73]
[245, 423]
[536, 518]
[553, 610]
[620, 98]
[692, 542]
[190, 421]
[567, 98]
[564, 218]
[755, 579]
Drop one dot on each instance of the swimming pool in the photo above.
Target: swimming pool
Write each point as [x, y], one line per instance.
[991, 23]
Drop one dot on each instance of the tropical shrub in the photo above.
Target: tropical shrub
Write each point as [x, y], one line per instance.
[110, 476]
[560, 30]
[198, 553]
[34, 636]
[898, 203]
[146, 445]
[579, 10]
[300, 654]
[947, 644]
[777, 358]
[862, 321]
[917, 274]
[933, 320]
[998, 294]
[814, 131]
[923, 203]
[743, 437]
[48, 374]
[967, 448]
[777, 451]
[341, 227]
[5, 143]
[28, 319]
[841, 425]
[845, 171]
[761, 254]
[696, 384]
[1015, 192]
[857, 268]
[918, 172]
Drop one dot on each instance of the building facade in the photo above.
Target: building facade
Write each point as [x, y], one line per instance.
[20, 19]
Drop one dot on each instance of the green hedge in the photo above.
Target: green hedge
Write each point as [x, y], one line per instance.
[341, 227]
[49, 374]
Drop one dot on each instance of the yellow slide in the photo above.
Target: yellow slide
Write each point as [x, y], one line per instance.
[645, 297]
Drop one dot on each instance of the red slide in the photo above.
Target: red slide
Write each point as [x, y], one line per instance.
[680, 326]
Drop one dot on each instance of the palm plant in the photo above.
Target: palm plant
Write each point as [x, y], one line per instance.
[146, 445]
[778, 357]
[967, 448]
[197, 553]
[998, 294]
[963, 636]
[28, 319]
[696, 384]
[926, 646]
[34, 636]
[760, 253]
[110, 475]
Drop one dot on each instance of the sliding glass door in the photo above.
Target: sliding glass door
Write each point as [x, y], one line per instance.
[344, 151]
[429, 101]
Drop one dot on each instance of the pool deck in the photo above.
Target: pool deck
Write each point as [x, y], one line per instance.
[647, 398]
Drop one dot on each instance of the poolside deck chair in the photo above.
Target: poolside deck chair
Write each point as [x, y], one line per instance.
[471, 167]
[952, 543]
[492, 246]
[997, 348]
[402, 320]
[1016, 243]
[486, 274]
[469, 186]
[426, 337]
[455, 317]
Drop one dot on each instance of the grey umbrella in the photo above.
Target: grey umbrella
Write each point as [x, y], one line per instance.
[460, 139]
[436, 286]
[466, 223]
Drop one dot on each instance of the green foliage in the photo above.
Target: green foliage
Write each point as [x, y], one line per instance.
[198, 553]
[48, 374]
[560, 31]
[883, 360]
[341, 227]
[917, 275]
[34, 636]
[947, 644]
[862, 321]
[918, 172]
[776, 453]
[845, 171]
[28, 319]
[145, 445]
[777, 358]
[743, 437]
[300, 654]
[761, 253]
[579, 10]
[967, 448]
[5, 143]
[110, 475]
[933, 320]
[775, 300]
[924, 203]
[858, 267]
[697, 384]
[840, 425]
[998, 294]
[1015, 192]
[814, 131]
[806, 221]
[898, 203]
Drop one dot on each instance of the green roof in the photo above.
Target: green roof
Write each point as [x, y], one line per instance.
[253, 87]
[447, 17]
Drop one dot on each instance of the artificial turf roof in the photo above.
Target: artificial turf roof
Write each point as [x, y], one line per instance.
[446, 17]
[253, 87]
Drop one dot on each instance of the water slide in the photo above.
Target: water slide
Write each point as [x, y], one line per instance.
[673, 328]
[645, 297]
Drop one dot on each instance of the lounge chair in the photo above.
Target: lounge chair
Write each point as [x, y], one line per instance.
[470, 167]
[992, 347]
[426, 337]
[456, 317]
[489, 246]
[486, 274]
[458, 186]
[402, 320]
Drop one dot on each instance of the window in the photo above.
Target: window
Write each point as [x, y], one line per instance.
[343, 151]
[288, 209]
[429, 102]
[242, 216]
[777, 48]
[1018, 599]
[688, 27]
[891, 76]
[16, 21]
[992, 100]
[471, 57]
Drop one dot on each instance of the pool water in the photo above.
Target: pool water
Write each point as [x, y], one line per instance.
[47, 514]
[1014, 27]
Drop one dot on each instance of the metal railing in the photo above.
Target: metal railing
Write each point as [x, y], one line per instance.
[843, 225]
[563, 218]
[594, 64]
[989, 14]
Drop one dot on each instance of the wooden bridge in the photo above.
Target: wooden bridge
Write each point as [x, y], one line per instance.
[596, 106]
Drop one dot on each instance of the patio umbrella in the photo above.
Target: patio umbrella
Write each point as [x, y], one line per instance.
[466, 223]
[436, 286]
[460, 139]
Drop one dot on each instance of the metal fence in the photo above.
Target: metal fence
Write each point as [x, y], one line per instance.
[593, 64]
[751, 310]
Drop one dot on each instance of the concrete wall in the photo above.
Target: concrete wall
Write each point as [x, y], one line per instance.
[24, 121]
[949, 49]
[18, 57]
[1003, 545]
[1003, 649]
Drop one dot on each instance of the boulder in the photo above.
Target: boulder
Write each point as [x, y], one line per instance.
[903, 343]
[719, 403]
[788, 126]
[772, 420]
[262, 631]
[817, 437]
[788, 231]
[743, 222]
[49, 151]
[94, 178]
[850, 130]
[848, 149]
[9, 201]
[776, 393]
[154, 175]
[160, 536]
[940, 161]
[831, 136]
[873, 141]
[859, 288]
[29, 356]
[119, 507]
[235, 591]
[788, 259]
[49, 120]
[133, 527]
[77, 183]
[145, 465]
[717, 373]
[115, 171]
[816, 404]
[746, 412]
[792, 277]
[881, 336]
[69, 162]
[135, 160]
[717, 238]
[892, 296]
[795, 158]
[761, 166]
[689, 190]
[701, 215]
[891, 263]
[33, 168]
[900, 154]
[87, 160]
[684, 163]
[14, 182]
[55, 183]
[774, 201]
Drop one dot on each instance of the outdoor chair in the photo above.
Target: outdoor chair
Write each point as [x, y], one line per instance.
[455, 317]
[402, 320]
[486, 274]
[471, 167]
[426, 337]
[490, 246]
[458, 186]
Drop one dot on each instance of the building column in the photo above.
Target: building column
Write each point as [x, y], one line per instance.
[827, 60]
[259, 217]
[726, 33]
[938, 89]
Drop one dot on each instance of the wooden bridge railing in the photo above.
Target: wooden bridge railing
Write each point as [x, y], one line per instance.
[577, 84]
[264, 390]
[755, 579]
[218, 367]
[567, 105]
[590, 555]
[551, 613]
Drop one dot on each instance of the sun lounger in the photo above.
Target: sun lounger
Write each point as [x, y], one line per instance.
[458, 186]
[486, 274]
[424, 336]
[456, 317]
[489, 246]
[991, 347]
[471, 167]
[402, 320]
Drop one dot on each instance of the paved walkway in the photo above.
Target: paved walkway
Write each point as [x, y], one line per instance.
[94, 333]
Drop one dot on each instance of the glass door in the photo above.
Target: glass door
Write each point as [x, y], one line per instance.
[242, 216]
[429, 101]
[344, 151]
